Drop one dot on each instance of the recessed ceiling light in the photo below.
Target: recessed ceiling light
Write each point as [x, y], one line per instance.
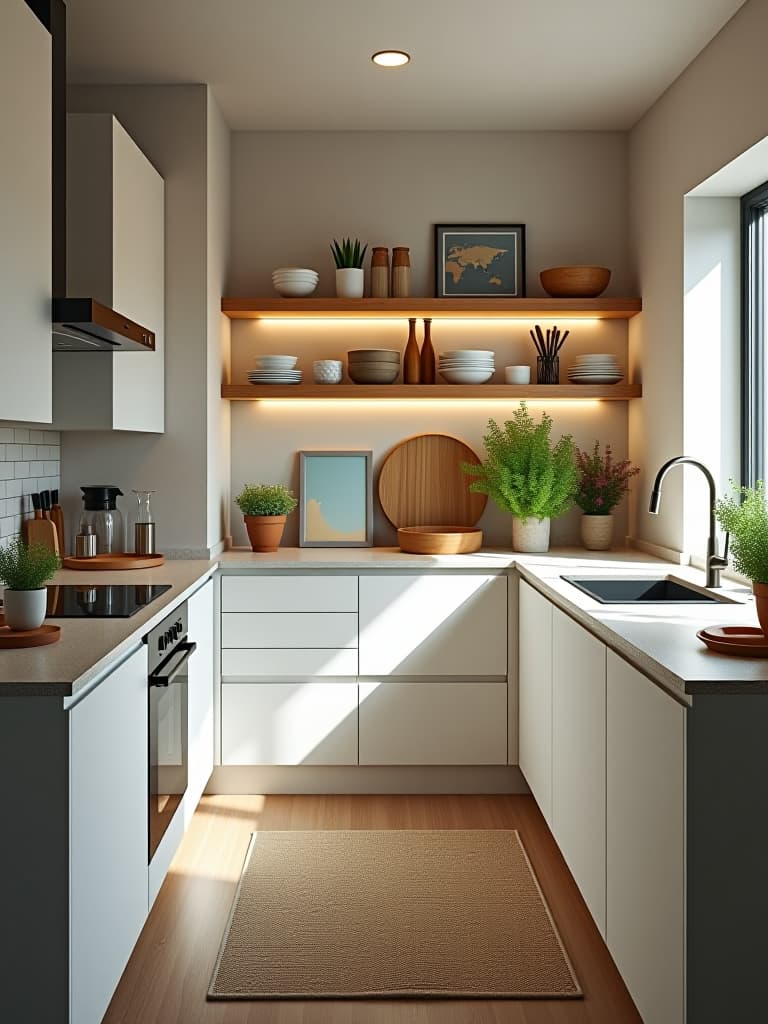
[391, 58]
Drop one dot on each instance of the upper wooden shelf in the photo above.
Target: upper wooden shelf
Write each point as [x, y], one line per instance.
[566, 309]
[461, 392]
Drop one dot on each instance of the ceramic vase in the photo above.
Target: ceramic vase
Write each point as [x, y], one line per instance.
[530, 535]
[25, 609]
[760, 590]
[265, 532]
[350, 282]
[597, 532]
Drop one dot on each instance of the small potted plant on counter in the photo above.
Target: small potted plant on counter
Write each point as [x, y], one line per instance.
[526, 475]
[25, 569]
[601, 485]
[265, 508]
[745, 516]
[350, 277]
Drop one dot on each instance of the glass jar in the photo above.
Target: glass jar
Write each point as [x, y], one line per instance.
[144, 525]
[102, 517]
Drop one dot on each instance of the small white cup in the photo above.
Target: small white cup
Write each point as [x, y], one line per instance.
[517, 374]
[327, 371]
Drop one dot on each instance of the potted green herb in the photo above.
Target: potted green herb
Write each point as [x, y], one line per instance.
[744, 515]
[25, 570]
[602, 483]
[265, 508]
[350, 278]
[526, 475]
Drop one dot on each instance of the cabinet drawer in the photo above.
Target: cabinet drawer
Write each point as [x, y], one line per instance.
[289, 593]
[433, 723]
[328, 661]
[289, 723]
[289, 629]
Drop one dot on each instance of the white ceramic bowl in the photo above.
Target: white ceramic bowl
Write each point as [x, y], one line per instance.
[293, 271]
[327, 371]
[517, 374]
[470, 353]
[466, 376]
[295, 289]
[270, 362]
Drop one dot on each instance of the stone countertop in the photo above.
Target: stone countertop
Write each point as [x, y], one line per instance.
[88, 647]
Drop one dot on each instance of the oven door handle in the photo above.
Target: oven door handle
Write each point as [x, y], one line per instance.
[170, 668]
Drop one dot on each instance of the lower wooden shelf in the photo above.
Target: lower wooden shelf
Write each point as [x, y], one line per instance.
[427, 392]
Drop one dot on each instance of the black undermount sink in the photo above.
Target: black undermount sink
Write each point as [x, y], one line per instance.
[634, 590]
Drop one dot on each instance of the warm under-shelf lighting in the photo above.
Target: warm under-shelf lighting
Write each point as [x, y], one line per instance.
[319, 404]
[391, 58]
[465, 321]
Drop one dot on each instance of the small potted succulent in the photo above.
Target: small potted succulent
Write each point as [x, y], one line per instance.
[525, 475]
[25, 569]
[265, 508]
[745, 516]
[350, 277]
[601, 485]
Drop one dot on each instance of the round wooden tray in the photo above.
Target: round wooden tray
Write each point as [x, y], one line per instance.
[124, 560]
[439, 540]
[27, 637]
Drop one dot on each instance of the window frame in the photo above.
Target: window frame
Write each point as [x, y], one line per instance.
[754, 339]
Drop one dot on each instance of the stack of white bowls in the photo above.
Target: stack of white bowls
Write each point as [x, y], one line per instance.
[275, 370]
[467, 366]
[294, 282]
[598, 368]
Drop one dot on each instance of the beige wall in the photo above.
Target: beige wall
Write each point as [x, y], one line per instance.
[711, 114]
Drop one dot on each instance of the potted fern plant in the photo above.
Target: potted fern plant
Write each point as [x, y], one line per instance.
[526, 475]
[350, 277]
[25, 569]
[744, 516]
[265, 508]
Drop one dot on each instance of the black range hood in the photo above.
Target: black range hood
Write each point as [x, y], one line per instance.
[79, 324]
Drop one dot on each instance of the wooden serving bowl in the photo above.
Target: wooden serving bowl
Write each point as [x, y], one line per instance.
[439, 540]
[575, 282]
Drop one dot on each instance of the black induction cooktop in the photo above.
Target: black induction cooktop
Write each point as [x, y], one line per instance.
[101, 600]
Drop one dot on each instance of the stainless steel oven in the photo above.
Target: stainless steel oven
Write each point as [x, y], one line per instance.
[169, 652]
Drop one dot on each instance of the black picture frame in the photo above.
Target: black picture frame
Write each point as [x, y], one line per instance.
[503, 277]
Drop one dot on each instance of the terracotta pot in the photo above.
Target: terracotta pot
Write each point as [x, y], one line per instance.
[760, 590]
[265, 532]
[596, 532]
[530, 535]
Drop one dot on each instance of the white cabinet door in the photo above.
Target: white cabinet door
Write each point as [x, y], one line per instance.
[578, 757]
[108, 834]
[239, 664]
[200, 690]
[289, 629]
[289, 723]
[316, 593]
[25, 215]
[535, 695]
[646, 841]
[433, 625]
[448, 723]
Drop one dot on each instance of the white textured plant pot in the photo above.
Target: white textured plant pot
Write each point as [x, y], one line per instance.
[597, 532]
[25, 609]
[530, 534]
[350, 283]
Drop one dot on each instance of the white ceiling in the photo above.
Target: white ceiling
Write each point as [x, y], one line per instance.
[477, 64]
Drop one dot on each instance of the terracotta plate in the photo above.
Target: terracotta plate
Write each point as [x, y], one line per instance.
[27, 637]
[746, 641]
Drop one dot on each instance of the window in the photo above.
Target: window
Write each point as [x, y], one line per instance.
[754, 323]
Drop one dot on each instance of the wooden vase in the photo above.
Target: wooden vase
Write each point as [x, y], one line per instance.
[265, 532]
[427, 358]
[411, 358]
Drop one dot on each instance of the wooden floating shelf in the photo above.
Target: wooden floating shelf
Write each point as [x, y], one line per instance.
[565, 309]
[458, 392]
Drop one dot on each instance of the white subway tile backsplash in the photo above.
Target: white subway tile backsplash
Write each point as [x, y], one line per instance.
[6, 434]
[21, 435]
[29, 462]
[29, 451]
[36, 436]
[13, 488]
[6, 471]
[14, 452]
[21, 470]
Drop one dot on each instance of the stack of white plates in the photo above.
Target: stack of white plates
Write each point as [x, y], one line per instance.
[599, 368]
[467, 366]
[275, 370]
[294, 282]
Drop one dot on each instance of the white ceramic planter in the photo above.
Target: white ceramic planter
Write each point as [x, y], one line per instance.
[25, 609]
[350, 283]
[596, 532]
[530, 534]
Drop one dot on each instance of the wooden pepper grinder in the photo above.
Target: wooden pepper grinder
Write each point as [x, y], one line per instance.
[427, 359]
[380, 272]
[401, 272]
[411, 361]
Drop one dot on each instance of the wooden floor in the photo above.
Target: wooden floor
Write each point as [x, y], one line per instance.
[168, 975]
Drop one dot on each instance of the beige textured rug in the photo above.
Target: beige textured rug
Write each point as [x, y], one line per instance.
[359, 914]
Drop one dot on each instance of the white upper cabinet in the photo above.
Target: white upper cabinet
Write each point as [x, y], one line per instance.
[115, 254]
[25, 215]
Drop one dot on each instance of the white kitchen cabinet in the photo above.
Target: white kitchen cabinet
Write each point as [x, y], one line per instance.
[115, 254]
[200, 689]
[646, 841]
[315, 593]
[441, 624]
[243, 663]
[289, 629]
[25, 215]
[309, 723]
[535, 695]
[108, 787]
[441, 723]
[578, 757]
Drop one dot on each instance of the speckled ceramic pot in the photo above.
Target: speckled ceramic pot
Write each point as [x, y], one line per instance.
[530, 534]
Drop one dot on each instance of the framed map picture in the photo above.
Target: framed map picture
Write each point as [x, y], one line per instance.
[480, 261]
[336, 499]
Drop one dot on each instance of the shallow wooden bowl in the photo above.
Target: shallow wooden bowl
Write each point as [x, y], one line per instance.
[439, 540]
[575, 282]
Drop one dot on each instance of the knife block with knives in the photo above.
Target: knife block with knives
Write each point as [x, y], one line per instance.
[41, 530]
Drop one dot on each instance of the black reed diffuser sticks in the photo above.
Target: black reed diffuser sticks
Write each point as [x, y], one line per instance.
[548, 347]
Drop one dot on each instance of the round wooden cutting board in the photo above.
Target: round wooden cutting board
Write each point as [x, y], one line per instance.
[421, 482]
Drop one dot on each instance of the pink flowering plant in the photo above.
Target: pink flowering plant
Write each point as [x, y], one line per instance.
[602, 482]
